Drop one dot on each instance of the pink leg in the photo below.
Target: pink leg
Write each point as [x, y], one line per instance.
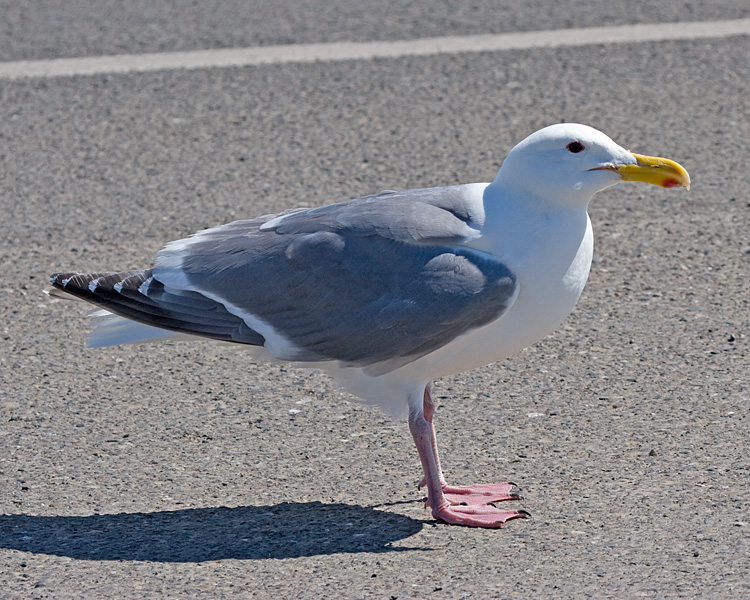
[480, 493]
[458, 505]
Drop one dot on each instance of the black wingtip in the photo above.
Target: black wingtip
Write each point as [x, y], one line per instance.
[56, 279]
[60, 280]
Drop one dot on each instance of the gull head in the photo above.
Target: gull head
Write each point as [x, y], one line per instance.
[567, 164]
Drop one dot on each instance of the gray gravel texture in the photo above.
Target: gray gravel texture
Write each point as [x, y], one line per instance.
[181, 470]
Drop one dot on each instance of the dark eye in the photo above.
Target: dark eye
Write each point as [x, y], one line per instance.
[575, 147]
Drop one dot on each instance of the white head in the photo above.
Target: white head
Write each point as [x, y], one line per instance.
[568, 163]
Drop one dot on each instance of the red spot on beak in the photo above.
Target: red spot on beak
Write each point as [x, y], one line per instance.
[670, 183]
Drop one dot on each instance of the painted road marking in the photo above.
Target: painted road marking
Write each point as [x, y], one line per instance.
[306, 53]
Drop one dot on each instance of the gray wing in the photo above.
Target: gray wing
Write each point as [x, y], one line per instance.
[378, 279]
[374, 279]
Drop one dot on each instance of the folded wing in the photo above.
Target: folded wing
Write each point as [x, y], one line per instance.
[379, 279]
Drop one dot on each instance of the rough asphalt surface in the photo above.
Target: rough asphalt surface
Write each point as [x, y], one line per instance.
[187, 471]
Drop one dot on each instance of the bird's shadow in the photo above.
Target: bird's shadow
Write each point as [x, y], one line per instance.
[286, 530]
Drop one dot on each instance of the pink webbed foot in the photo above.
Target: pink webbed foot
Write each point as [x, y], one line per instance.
[468, 505]
[477, 515]
[480, 493]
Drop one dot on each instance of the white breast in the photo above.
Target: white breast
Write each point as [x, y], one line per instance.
[551, 260]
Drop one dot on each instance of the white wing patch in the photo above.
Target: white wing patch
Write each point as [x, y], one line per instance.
[273, 223]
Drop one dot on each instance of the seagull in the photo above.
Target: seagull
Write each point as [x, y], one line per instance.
[390, 291]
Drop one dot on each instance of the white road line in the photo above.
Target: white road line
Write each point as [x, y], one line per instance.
[305, 53]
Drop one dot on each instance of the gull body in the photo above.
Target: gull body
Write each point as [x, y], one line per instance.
[390, 291]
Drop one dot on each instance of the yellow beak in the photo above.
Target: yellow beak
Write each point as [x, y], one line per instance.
[656, 171]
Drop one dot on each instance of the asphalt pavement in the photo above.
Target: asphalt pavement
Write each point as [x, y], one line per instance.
[185, 470]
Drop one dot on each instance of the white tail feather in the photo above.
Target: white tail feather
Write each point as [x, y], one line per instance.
[112, 330]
